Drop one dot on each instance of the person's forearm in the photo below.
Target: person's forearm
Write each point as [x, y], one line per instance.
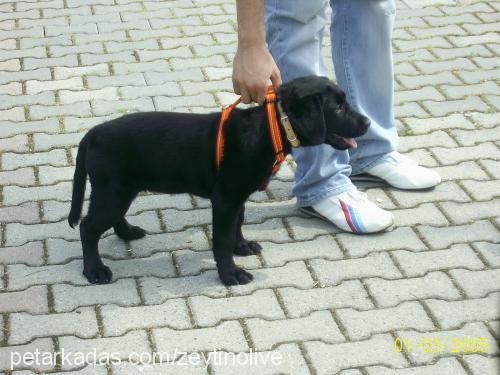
[250, 15]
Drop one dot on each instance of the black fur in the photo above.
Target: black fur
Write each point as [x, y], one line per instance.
[175, 153]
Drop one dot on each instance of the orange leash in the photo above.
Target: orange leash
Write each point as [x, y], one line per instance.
[274, 129]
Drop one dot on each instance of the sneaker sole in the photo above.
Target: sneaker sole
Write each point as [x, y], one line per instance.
[363, 177]
[309, 211]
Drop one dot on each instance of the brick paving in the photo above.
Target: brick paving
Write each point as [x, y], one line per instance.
[324, 302]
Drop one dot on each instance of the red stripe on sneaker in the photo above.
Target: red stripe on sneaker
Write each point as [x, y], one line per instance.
[347, 215]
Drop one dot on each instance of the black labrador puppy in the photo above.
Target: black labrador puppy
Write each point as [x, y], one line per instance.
[175, 153]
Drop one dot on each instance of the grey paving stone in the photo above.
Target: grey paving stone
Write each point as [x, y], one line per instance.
[465, 137]
[292, 274]
[285, 359]
[270, 230]
[44, 142]
[168, 368]
[443, 366]
[26, 213]
[306, 228]
[462, 171]
[364, 324]
[33, 300]
[400, 238]
[444, 191]
[323, 247]
[418, 264]
[14, 160]
[107, 93]
[105, 107]
[482, 190]
[482, 365]
[413, 82]
[189, 262]
[159, 265]
[135, 341]
[192, 238]
[160, 201]
[68, 297]
[24, 327]
[471, 103]
[319, 325]
[489, 251]
[133, 79]
[170, 89]
[44, 345]
[209, 311]
[426, 213]
[119, 320]
[478, 309]
[434, 139]
[62, 72]
[482, 283]
[373, 265]
[328, 359]
[225, 336]
[20, 177]
[75, 109]
[300, 303]
[61, 251]
[444, 237]
[390, 293]
[464, 213]
[15, 195]
[156, 290]
[458, 154]
[31, 253]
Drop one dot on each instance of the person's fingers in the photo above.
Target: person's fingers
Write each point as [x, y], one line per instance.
[276, 78]
[236, 87]
[260, 95]
[245, 96]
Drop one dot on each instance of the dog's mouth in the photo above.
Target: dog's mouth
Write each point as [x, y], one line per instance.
[342, 143]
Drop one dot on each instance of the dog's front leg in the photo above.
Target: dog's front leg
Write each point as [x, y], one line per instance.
[244, 247]
[225, 223]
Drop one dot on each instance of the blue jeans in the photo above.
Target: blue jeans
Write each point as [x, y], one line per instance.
[361, 32]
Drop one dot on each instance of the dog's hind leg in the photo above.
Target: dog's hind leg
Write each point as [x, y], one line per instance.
[105, 209]
[244, 247]
[226, 215]
[128, 232]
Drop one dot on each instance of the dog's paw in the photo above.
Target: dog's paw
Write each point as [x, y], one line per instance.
[98, 275]
[130, 233]
[235, 276]
[245, 248]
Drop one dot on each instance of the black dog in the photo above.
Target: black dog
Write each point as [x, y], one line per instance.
[175, 153]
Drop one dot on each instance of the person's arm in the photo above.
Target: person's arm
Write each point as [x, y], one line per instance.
[253, 65]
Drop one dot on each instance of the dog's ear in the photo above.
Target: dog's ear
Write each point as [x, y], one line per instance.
[302, 101]
[307, 119]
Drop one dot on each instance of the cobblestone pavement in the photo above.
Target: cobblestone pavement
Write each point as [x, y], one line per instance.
[322, 302]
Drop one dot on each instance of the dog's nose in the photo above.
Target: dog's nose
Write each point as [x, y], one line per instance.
[365, 123]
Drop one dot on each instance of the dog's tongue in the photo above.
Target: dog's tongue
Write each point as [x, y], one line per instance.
[351, 142]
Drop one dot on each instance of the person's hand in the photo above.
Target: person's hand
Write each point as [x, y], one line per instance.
[253, 70]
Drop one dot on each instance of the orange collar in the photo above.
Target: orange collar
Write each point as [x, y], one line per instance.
[274, 129]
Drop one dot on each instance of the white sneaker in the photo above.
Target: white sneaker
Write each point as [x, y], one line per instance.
[352, 211]
[404, 173]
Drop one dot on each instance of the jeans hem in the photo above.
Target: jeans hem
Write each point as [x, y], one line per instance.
[325, 194]
[365, 166]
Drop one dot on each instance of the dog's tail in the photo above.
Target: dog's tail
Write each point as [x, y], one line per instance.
[79, 181]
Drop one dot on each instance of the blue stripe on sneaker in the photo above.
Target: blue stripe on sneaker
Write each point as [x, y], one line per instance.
[358, 223]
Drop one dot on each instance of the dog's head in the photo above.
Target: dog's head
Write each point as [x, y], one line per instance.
[319, 113]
